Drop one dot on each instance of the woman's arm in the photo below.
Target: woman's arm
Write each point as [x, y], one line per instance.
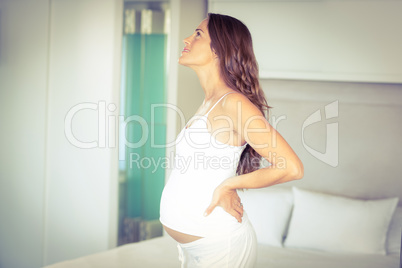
[253, 128]
[266, 141]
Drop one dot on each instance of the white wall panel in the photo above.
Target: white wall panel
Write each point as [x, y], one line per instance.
[323, 40]
[83, 60]
[23, 81]
[57, 201]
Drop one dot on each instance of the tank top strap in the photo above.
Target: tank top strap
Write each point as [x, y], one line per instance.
[217, 103]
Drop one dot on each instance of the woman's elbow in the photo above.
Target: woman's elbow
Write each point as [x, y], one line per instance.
[298, 171]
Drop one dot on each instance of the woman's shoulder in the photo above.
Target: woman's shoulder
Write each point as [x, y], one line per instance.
[237, 100]
[234, 98]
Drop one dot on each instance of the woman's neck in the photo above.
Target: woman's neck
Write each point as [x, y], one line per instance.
[212, 83]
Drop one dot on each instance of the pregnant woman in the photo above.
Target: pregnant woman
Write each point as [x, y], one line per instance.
[222, 146]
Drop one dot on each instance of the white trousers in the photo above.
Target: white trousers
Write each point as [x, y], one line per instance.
[236, 250]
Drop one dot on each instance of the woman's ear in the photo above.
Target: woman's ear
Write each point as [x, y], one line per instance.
[214, 54]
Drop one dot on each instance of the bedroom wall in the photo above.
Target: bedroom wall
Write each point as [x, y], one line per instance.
[81, 184]
[323, 40]
[369, 130]
[57, 201]
[23, 79]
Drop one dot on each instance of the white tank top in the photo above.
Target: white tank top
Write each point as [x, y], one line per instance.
[201, 164]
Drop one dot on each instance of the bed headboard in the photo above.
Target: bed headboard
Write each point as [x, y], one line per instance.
[369, 131]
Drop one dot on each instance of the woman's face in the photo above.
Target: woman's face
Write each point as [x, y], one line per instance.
[197, 50]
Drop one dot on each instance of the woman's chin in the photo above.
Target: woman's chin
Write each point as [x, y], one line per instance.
[182, 61]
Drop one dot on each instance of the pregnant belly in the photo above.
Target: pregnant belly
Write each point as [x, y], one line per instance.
[183, 203]
[181, 237]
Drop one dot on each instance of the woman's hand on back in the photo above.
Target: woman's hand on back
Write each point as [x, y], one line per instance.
[228, 199]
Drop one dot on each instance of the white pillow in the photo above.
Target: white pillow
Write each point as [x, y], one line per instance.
[339, 224]
[269, 211]
[394, 232]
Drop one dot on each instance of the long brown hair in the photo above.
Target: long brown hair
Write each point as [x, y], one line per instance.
[232, 43]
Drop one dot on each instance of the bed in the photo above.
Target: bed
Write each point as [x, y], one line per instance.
[292, 227]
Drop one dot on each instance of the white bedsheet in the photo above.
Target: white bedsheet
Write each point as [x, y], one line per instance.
[274, 257]
[162, 252]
